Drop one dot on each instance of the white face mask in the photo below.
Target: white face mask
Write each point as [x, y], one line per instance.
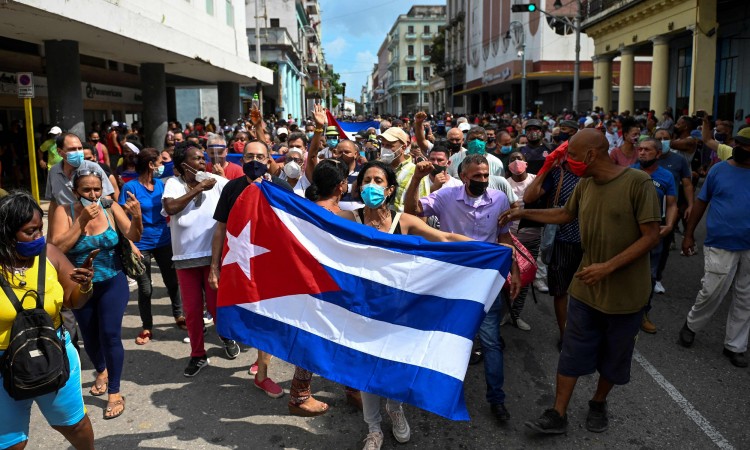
[292, 169]
[201, 176]
[387, 155]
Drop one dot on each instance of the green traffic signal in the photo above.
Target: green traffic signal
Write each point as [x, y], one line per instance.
[525, 7]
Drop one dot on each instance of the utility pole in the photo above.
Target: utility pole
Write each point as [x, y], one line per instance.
[343, 98]
[577, 70]
[258, 87]
[518, 29]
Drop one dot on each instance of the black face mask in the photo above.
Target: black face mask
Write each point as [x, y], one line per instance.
[490, 139]
[454, 147]
[741, 155]
[254, 169]
[437, 170]
[647, 164]
[562, 137]
[478, 188]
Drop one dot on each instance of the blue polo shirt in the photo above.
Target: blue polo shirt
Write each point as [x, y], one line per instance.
[664, 183]
[155, 230]
[727, 223]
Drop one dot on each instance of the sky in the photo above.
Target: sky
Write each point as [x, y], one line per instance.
[353, 31]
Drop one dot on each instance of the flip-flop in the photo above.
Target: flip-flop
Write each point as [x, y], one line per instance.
[110, 408]
[101, 389]
[145, 337]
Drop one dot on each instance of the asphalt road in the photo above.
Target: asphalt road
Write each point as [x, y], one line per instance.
[677, 398]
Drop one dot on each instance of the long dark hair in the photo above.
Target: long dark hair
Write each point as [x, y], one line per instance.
[328, 174]
[16, 210]
[390, 176]
[145, 157]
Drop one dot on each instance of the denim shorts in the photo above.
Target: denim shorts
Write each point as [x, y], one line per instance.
[62, 408]
[596, 341]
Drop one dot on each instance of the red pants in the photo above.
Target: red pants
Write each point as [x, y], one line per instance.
[193, 286]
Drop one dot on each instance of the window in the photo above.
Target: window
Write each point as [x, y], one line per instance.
[684, 62]
[274, 23]
[410, 74]
[230, 12]
[427, 29]
[427, 50]
[210, 7]
[426, 73]
[728, 65]
[410, 51]
[411, 29]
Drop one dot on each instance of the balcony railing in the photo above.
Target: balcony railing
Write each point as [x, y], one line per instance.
[410, 36]
[410, 58]
[594, 10]
[428, 36]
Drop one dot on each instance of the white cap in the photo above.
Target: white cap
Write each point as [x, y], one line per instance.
[115, 124]
[464, 127]
[589, 121]
[132, 147]
[55, 130]
[282, 130]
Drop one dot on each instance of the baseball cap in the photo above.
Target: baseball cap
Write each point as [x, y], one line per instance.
[535, 123]
[464, 126]
[115, 124]
[394, 134]
[743, 136]
[282, 130]
[55, 130]
[570, 124]
[588, 121]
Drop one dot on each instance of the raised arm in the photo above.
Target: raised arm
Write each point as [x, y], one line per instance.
[422, 141]
[707, 136]
[321, 122]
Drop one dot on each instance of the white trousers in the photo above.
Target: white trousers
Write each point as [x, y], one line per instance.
[725, 269]
[371, 410]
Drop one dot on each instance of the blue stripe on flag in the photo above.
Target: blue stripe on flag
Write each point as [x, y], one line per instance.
[424, 388]
[387, 304]
[480, 255]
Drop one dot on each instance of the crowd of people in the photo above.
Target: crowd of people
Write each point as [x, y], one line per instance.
[592, 201]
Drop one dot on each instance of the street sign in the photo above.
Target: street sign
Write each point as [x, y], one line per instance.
[538, 102]
[25, 83]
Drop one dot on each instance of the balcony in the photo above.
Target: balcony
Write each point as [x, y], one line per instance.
[393, 42]
[428, 36]
[410, 58]
[393, 61]
[593, 11]
[425, 58]
[410, 36]
[403, 84]
[278, 37]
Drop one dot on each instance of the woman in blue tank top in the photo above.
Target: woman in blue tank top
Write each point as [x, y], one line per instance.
[77, 229]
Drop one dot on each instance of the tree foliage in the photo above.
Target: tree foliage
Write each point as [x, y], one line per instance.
[437, 54]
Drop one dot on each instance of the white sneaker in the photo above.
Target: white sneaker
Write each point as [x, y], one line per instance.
[186, 340]
[373, 441]
[541, 286]
[658, 288]
[506, 319]
[132, 282]
[521, 325]
[401, 430]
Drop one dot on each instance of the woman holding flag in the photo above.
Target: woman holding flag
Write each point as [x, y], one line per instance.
[377, 184]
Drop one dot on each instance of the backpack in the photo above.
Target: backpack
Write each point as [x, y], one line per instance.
[36, 361]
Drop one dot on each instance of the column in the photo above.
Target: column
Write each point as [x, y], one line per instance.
[64, 86]
[660, 74]
[171, 103]
[154, 87]
[229, 100]
[603, 82]
[702, 71]
[627, 82]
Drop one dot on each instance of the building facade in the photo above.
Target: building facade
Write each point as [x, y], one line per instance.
[405, 57]
[96, 60]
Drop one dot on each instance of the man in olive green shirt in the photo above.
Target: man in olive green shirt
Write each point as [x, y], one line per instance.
[619, 216]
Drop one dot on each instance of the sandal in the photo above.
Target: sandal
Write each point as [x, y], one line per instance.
[111, 406]
[313, 408]
[181, 323]
[98, 390]
[144, 337]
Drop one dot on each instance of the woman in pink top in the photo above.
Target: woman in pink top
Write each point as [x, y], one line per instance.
[101, 152]
[626, 155]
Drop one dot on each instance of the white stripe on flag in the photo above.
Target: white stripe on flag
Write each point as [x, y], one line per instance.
[415, 274]
[427, 349]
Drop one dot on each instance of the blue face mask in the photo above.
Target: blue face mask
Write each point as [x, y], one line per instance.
[331, 143]
[30, 249]
[168, 169]
[159, 171]
[476, 147]
[74, 158]
[373, 195]
[310, 135]
[505, 149]
[665, 145]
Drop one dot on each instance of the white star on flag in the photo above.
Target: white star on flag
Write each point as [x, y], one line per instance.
[241, 250]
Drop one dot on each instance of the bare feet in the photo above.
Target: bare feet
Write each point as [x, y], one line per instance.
[309, 408]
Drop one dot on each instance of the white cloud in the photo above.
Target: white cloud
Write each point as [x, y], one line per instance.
[336, 47]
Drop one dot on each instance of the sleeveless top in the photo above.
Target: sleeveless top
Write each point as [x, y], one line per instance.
[107, 264]
[359, 216]
[53, 297]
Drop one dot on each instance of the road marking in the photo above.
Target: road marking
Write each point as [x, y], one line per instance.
[686, 406]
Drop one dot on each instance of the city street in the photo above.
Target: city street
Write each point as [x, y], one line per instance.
[678, 398]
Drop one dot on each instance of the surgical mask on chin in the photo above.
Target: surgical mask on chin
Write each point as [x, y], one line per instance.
[74, 158]
[373, 195]
[254, 169]
[292, 170]
[201, 176]
[86, 202]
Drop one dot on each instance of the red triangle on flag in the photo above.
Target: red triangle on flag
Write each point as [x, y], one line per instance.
[262, 259]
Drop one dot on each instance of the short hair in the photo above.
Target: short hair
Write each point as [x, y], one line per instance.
[473, 159]
[214, 139]
[441, 146]
[60, 140]
[628, 123]
[295, 136]
[384, 125]
[477, 133]
[145, 157]
[656, 143]
[689, 121]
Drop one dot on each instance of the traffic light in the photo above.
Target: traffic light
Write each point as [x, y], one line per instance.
[524, 7]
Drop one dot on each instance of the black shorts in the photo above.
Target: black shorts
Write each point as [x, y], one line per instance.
[596, 341]
[566, 257]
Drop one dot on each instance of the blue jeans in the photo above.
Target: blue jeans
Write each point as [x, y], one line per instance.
[489, 335]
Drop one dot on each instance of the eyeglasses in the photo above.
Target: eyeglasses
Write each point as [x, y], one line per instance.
[297, 160]
[254, 156]
[86, 173]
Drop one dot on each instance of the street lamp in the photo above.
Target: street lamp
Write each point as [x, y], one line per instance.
[518, 30]
[343, 98]
[576, 25]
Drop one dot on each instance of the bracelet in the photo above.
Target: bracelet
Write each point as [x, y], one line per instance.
[90, 288]
[319, 130]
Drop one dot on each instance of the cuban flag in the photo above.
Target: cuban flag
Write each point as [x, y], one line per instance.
[388, 314]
